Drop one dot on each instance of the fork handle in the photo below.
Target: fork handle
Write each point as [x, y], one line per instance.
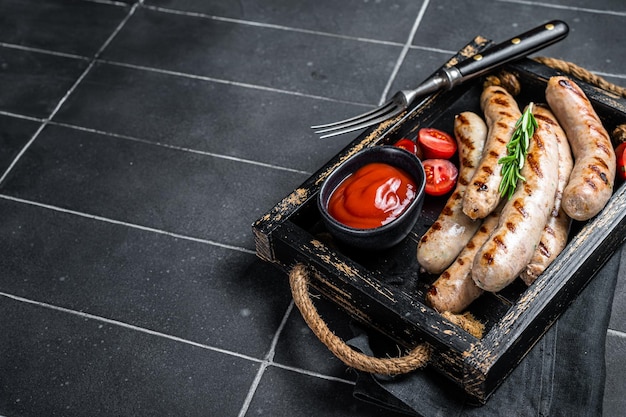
[514, 48]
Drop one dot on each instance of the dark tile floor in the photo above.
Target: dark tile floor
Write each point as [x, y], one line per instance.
[139, 141]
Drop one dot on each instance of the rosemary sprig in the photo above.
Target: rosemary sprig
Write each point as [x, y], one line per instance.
[517, 148]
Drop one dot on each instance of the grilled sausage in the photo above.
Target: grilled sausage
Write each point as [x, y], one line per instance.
[453, 229]
[501, 113]
[455, 290]
[591, 182]
[554, 237]
[512, 244]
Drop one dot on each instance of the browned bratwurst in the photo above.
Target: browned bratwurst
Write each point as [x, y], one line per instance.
[512, 244]
[501, 113]
[554, 237]
[591, 182]
[455, 289]
[453, 229]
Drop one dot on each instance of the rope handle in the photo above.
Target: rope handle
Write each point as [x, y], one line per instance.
[582, 74]
[419, 356]
[415, 359]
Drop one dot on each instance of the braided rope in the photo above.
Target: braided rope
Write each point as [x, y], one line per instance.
[582, 74]
[415, 359]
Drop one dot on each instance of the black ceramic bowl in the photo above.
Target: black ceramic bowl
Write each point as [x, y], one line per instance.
[389, 234]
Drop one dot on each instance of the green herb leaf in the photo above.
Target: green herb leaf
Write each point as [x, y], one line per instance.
[517, 148]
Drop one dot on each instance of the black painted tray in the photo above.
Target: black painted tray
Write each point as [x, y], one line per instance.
[367, 286]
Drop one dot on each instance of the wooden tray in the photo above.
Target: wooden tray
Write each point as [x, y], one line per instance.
[386, 291]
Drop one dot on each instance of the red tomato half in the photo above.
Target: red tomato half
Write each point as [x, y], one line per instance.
[436, 143]
[620, 154]
[441, 176]
[407, 144]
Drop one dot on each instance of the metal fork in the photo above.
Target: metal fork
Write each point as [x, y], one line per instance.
[447, 78]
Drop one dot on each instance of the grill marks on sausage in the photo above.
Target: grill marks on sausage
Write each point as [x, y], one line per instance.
[511, 246]
[466, 162]
[444, 240]
[499, 241]
[436, 226]
[567, 85]
[481, 186]
[501, 113]
[596, 131]
[533, 163]
[591, 181]
[510, 226]
[601, 145]
[544, 250]
[599, 164]
[544, 119]
[597, 169]
[599, 172]
[501, 124]
[488, 257]
[519, 207]
[465, 141]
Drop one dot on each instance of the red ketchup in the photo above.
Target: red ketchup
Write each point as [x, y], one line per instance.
[373, 196]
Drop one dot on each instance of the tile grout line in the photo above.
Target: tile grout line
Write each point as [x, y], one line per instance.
[266, 362]
[237, 83]
[269, 361]
[178, 148]
[159, 144]
[126, 224]
[110, 2]
[269, 25]
[403, 52]
[68, 92]
[564, 7]
[42, 51]
[617, 333]
[125, 325]
[312, 373]
[205, 77]
[228, 82]
[268, 358]
[177, 339]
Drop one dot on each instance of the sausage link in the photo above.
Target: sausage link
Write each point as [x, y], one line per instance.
[554, 236]
[591, 182]
[501, 113]
[447, 236]
[511, 246]
[455, 290]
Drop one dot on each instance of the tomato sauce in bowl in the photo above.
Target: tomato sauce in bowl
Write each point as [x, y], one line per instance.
[374, 198]
[374, 195]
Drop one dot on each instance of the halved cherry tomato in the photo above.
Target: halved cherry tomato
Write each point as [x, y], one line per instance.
[436, 144]
[620, 154]
[407, 144]
[441, 176]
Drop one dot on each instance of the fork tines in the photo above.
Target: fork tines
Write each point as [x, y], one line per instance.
[361, 121]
